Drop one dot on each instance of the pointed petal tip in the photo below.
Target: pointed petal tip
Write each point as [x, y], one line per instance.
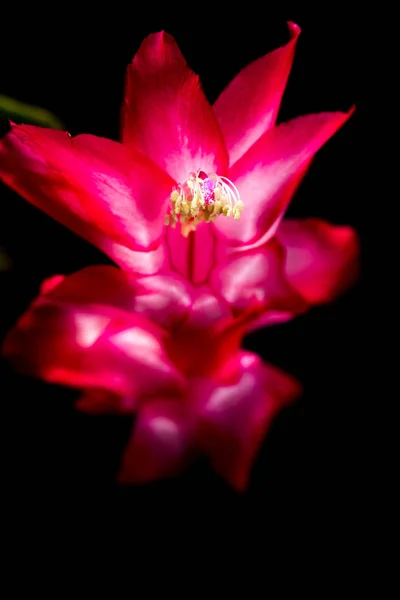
[160, 34]
[351, 110]
[249, 105]
[346, 114]
[49, 284]
[157, 40]
[294, 29]
[166, 113]
[294, 390]
[156, 36]
[28, 129]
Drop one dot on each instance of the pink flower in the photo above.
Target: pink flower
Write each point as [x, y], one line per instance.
[190, 206]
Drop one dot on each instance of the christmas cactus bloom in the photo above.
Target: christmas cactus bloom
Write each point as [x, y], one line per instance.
[190, 207]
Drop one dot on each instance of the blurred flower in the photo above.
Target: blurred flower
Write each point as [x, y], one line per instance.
[161, 337]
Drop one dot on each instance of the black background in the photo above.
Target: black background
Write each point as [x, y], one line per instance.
[306, 487]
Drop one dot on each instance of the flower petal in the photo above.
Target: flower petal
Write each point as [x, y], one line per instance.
[159, 445]
[166, 114]
[50, 284]
[93, 180]
[268, 318]
[270, 172]
[91, 346]
[130, 192]
[163, 299]
[192, 256]
[144, 263]
[249, 105]
[234, 417]
[321, 259]
[25, 170]
[256, 280]
[100, 285]
[97, 401]
[30, 180]
[206, 310]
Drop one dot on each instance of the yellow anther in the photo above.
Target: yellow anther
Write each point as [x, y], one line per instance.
[202, 198]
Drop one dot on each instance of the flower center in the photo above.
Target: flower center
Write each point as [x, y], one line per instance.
[203, 197]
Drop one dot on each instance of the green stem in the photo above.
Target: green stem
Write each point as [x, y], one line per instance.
[27, 113]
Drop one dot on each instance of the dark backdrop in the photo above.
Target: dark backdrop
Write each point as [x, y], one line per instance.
[58, 465]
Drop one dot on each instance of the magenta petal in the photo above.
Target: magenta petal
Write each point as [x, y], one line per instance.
[25, 168]
[29, 173]
[143, 263]
[50, 284]
[256, 280]
[100, 285]
[88, 183]
[97, 401]
[166, 114]
[192, 256]
[130, 193]
[206, 310]
[159, 445]
[270, 172]
[249, 105]
[321, 259]
[234, 418]
[268, 318]
[164, 299]
[91, 346]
